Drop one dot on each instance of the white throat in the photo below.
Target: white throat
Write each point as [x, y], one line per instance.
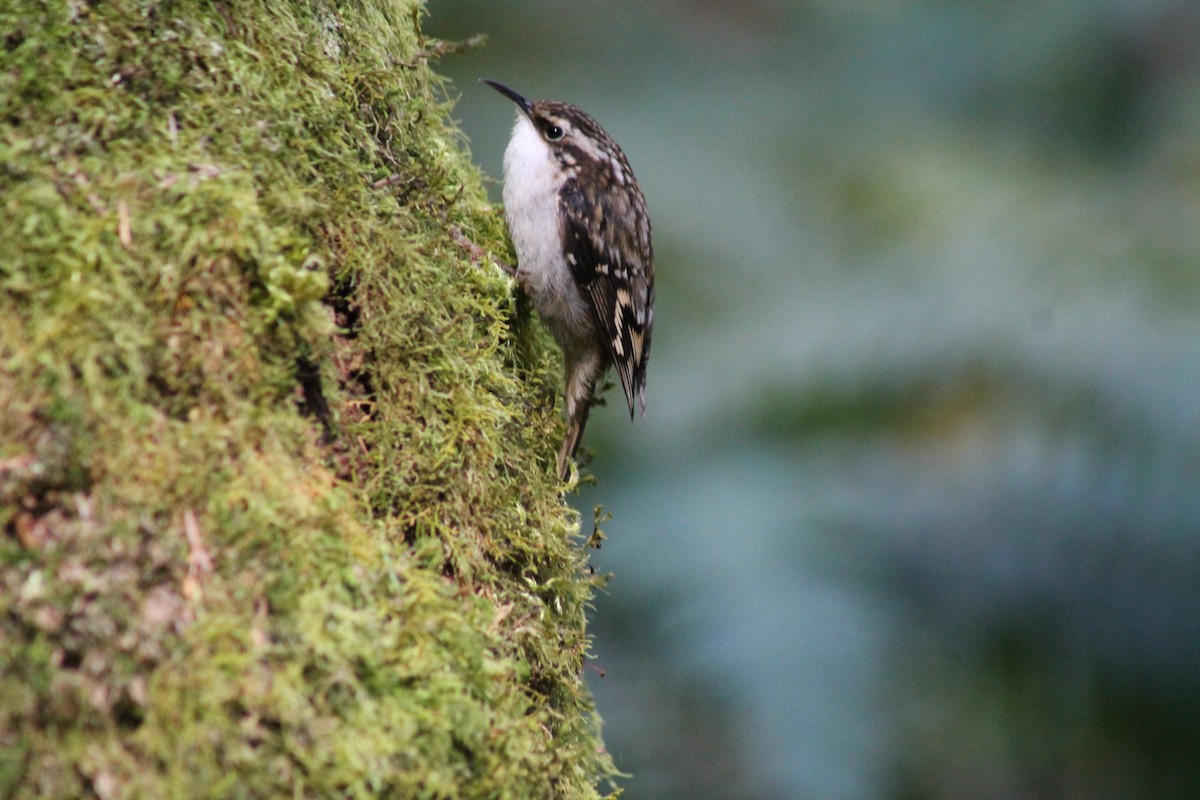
[529, 167]
[532, 180]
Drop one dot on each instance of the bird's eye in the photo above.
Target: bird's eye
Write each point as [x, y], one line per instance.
[554, 133]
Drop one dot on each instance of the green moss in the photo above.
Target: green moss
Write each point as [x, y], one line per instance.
[216, 219]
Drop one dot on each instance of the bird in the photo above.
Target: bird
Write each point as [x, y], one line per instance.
[579, 225]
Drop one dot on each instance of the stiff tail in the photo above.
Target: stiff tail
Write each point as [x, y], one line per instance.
[575, 426]
[583, 370]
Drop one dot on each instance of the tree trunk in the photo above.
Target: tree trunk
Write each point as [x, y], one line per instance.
[276, 448]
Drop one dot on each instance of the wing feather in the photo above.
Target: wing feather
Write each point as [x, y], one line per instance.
[608, 249]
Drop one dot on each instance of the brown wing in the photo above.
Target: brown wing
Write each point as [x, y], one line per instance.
[607, 246]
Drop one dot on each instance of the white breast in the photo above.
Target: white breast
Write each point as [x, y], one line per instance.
[532, 179]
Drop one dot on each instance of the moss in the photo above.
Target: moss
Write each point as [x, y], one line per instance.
[276, 454]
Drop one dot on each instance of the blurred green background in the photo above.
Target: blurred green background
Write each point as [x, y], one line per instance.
[915, 510]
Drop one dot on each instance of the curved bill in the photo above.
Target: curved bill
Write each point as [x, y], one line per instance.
[521, 102]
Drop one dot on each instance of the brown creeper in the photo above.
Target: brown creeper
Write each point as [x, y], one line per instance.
[579, 224]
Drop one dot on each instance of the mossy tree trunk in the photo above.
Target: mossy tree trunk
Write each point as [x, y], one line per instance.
[276, 481]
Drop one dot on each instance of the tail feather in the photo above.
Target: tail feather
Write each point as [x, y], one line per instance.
[583, 370]
[575, 426]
